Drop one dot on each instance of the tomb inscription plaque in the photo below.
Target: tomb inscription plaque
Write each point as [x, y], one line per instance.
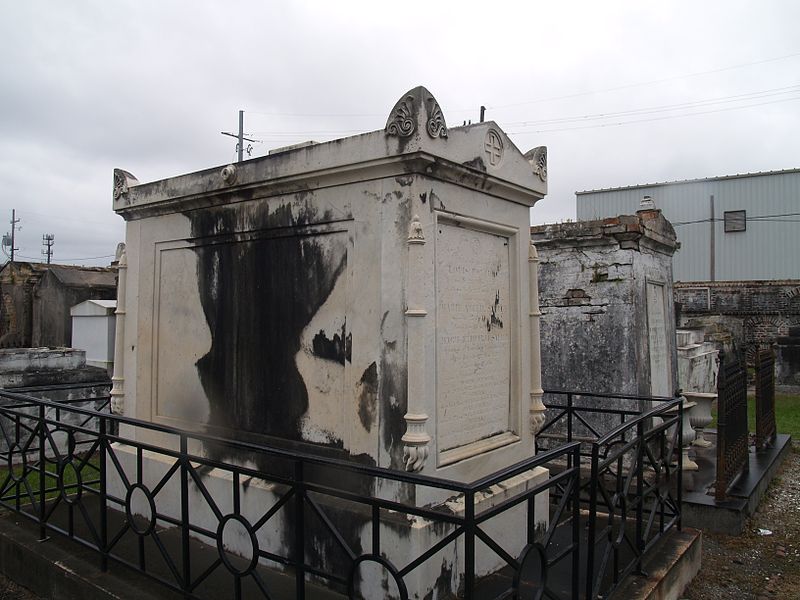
[473, 289]
[657, 340]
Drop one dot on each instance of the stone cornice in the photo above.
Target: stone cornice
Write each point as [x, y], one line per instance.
[252, 181]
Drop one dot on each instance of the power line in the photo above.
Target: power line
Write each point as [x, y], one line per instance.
[664, 118]
[66, 259]
[549, 98]
[281, 136]
[645, 83]
[755, 218]
[664, 107]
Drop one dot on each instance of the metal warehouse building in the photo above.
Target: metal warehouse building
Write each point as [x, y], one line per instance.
[732, 228]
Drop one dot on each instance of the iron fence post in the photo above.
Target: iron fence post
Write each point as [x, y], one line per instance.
[300, 531]
[592, 530]
[185, 546]
[103, 498]
[42, 479]
[640, 545]
[469, 545]
[576, 521]
[569, 417]
[17, 499]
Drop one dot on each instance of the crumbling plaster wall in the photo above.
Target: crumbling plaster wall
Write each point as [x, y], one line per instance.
[593, 281]
[52, 322]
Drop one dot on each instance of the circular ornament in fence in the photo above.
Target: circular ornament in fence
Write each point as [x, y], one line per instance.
[14, 471]
[140, 509]
[70, 482]
[237, 545]
[370, 567]
[531, 577]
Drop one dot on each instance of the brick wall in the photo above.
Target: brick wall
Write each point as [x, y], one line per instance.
[744, 314]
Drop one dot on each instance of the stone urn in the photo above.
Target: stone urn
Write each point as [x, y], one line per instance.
[687, 464]
[700, 415]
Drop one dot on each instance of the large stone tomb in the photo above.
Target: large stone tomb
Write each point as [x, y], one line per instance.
[367, 298]
[607, 308]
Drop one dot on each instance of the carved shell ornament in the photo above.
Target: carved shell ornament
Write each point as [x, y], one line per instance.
[539, 162]
[436, 125]
[417, 109]
[120, 186]
[122, 182]
[401, 122]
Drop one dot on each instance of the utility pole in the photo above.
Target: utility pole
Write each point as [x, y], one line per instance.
[240, 137]
[14, 221]
[48, 239]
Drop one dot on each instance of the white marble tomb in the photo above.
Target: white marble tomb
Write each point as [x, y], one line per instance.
[367, 298]
[369, 283]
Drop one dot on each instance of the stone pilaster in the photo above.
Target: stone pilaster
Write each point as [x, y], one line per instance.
[416, 439]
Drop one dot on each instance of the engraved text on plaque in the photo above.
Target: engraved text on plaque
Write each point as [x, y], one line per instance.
[473, 341]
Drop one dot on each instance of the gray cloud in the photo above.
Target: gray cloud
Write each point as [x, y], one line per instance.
[148, 86]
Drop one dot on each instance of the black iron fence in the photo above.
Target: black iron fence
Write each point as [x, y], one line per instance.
[766, 429]
[630, 450]
[733, 437]
[83, 473]
[612, 495]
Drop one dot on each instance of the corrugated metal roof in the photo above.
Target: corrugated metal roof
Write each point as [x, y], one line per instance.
[718, 178]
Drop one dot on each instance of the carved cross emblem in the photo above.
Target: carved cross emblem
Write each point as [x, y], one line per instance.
[493, 147]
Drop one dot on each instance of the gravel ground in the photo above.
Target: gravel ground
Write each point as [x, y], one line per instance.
[11, 591]
[763, 562]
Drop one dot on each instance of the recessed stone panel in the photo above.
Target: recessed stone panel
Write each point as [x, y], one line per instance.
[473, 341]
[660, 369]
[251, 333]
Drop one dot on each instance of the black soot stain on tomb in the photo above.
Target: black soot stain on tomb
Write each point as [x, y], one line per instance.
[393, 385]
[338, 348]
[258, 296]
[368, 396]
[493, 320]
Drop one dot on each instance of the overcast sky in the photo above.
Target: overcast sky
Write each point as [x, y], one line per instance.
[620, 92]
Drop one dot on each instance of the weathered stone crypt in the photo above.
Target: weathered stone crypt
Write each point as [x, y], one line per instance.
[371, 298]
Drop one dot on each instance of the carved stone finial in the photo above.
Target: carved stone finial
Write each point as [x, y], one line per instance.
[415, 233]
[538, 161]
[417, 109]
[122, 183]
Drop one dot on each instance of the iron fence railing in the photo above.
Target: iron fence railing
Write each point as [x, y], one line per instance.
[733, 437]
[631, 483]
[80, 472]
[766, 428]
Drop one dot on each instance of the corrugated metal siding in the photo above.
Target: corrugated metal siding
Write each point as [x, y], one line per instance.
[768, 249]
